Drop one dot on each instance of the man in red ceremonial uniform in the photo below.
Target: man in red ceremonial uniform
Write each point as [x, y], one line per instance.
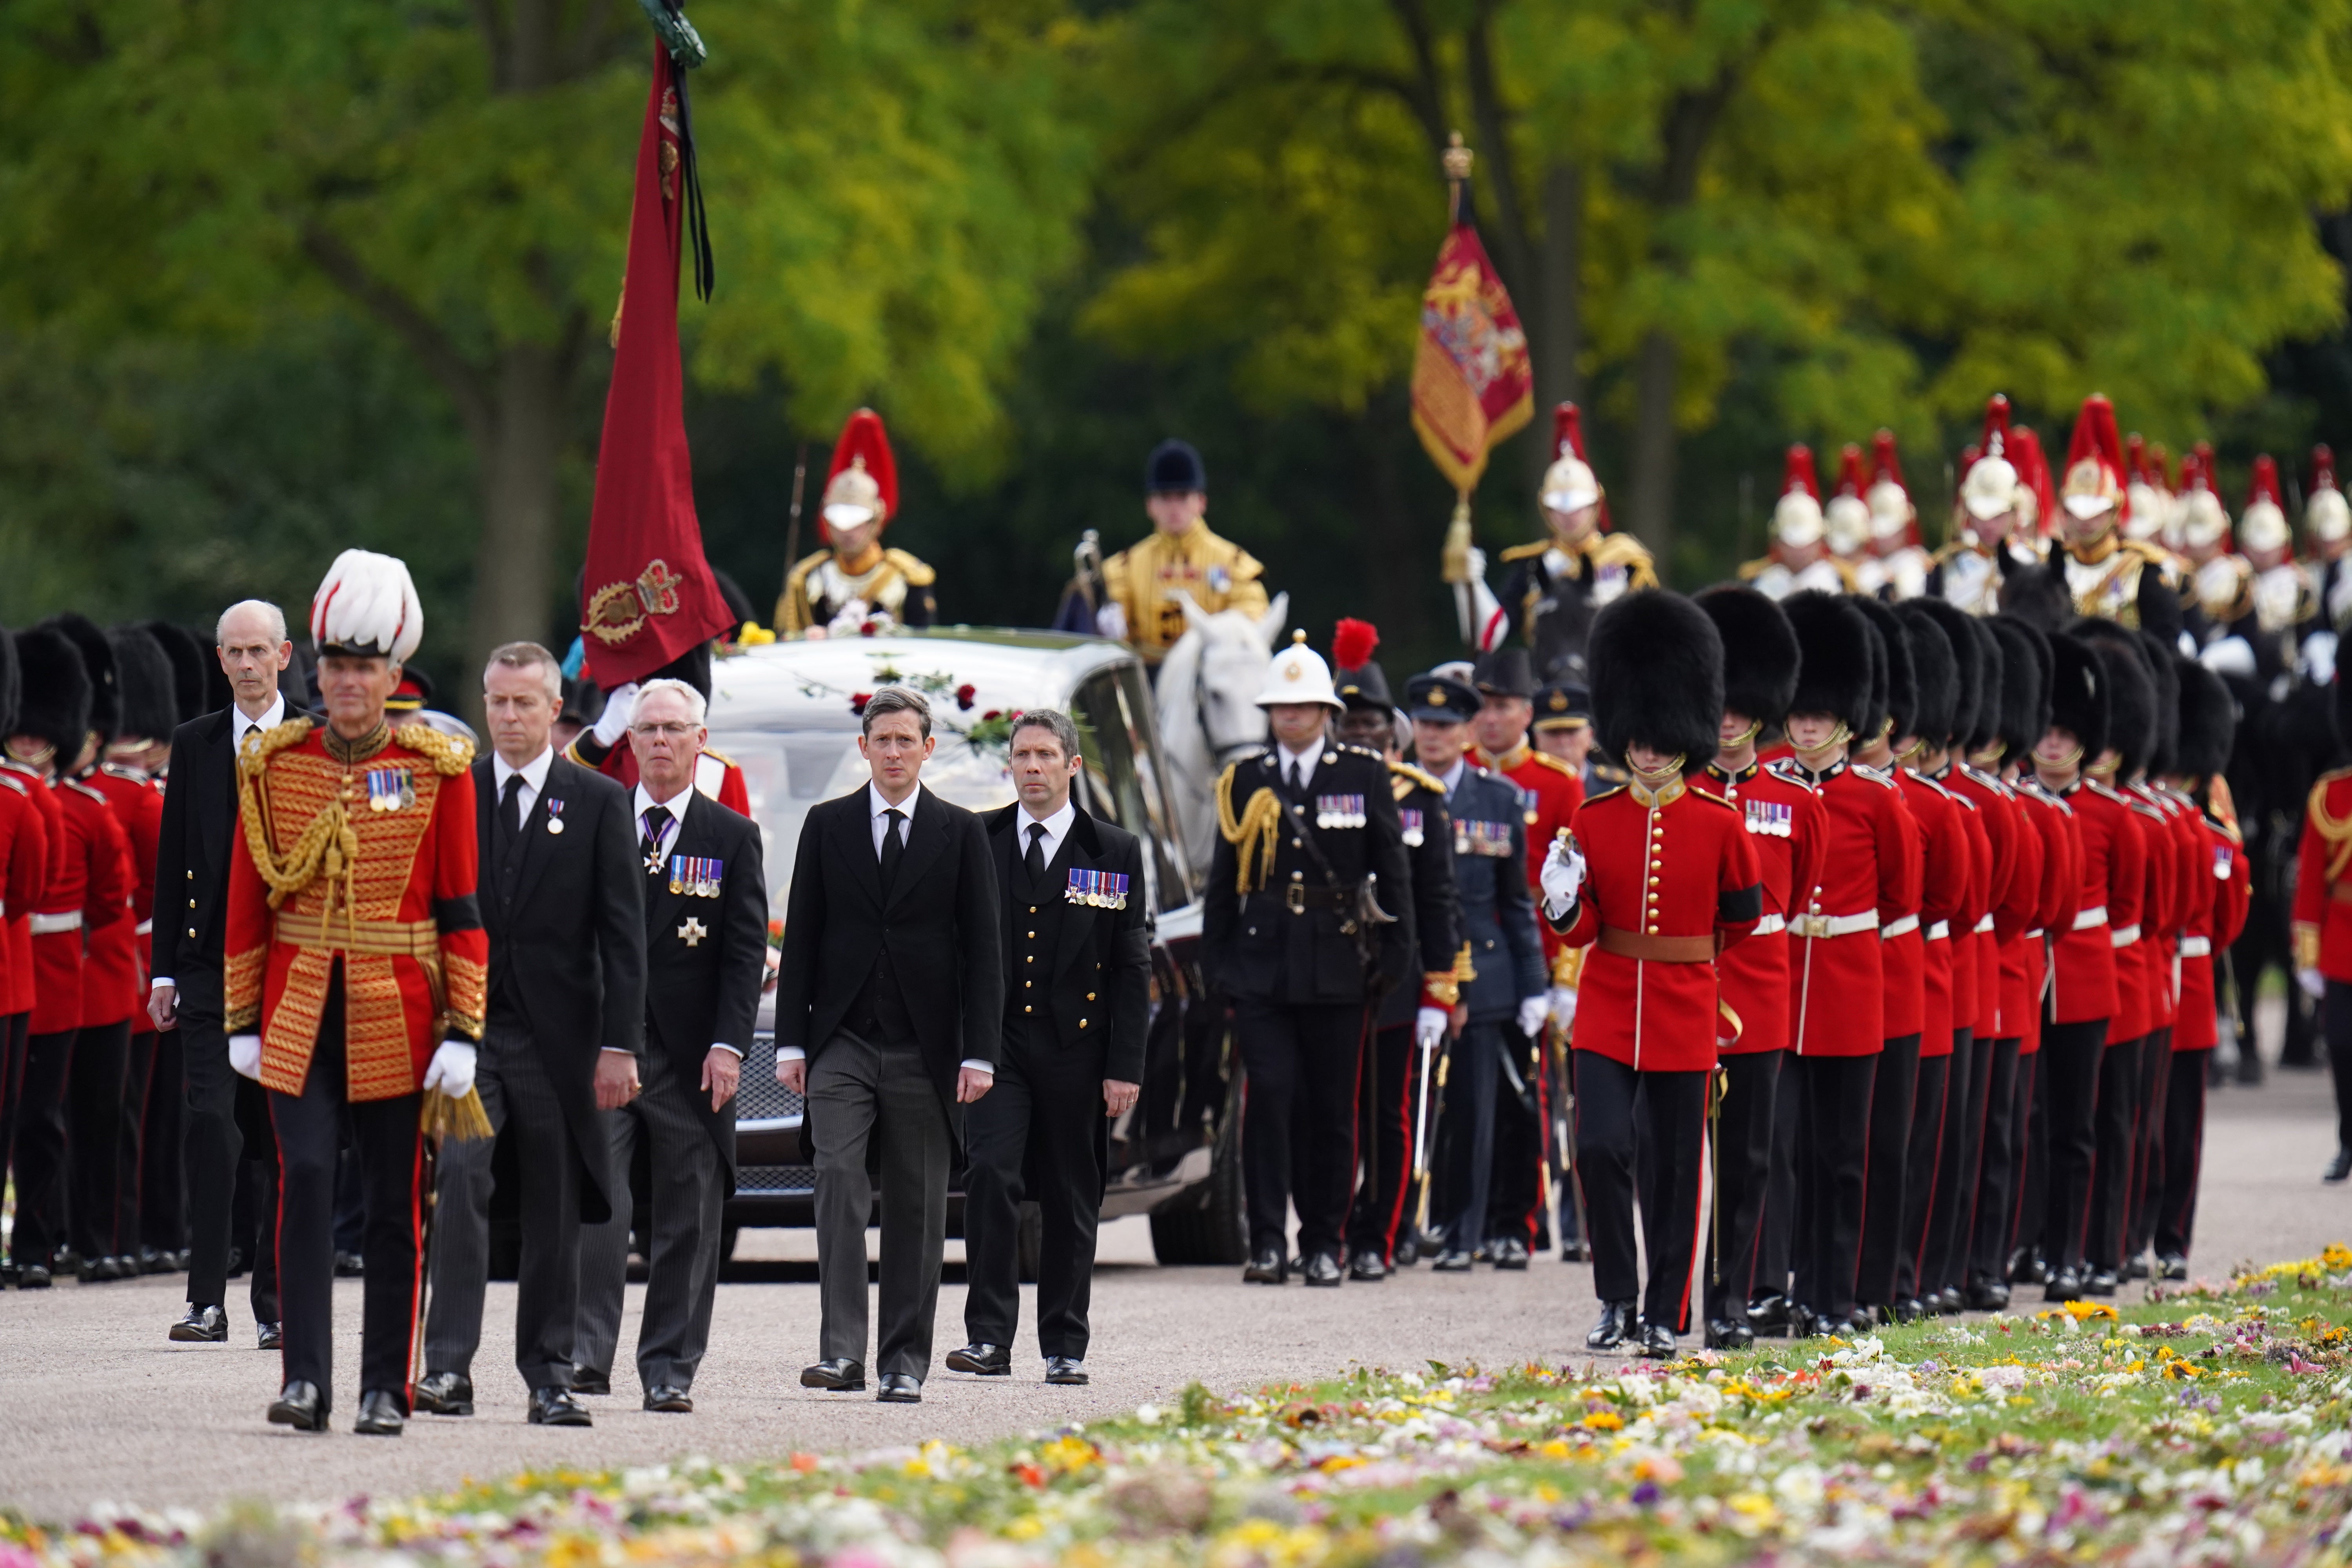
[1785, 827]
[354, 947]
[2323, 926]
[1549, 792]
[23, 831]
[1870, 877]
[2176, 852]
[1657, 879]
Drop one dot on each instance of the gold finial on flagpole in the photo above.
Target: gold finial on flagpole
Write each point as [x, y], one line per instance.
[1457, 160]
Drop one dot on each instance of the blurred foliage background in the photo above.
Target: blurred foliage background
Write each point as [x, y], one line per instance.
[277, 279]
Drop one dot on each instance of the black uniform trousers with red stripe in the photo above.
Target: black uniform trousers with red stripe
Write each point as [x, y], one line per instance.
[1943, 1258]
[1833, 1143]
[1666, 1113]
[2117, 1121]
[2184, 1143]
[2147, 1149]
[1988, 1234]
[1386, 1111]
[1743, 1163]
[2067, 1102]
[309, 1126]
[1906, 1092]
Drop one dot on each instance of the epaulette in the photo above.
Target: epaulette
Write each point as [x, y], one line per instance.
[126, 772]
[1920, 778]
[1748, 570]
[1713, 799]
[1623, 549]
[450, 755]
[1620, 789]
[2145, 809]
[2168, 565]
[1986, 779]
[1525, 551]
[918, 576]
[2096, 787]
[1351, 748]
[1427, 781]
[13, 781]
[1547, 760]
[716, 755]
[76, 785]
[1786, 770]
[259, 749]
[1864, 769]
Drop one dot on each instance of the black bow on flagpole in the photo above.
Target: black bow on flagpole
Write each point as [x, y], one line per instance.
[687, 51]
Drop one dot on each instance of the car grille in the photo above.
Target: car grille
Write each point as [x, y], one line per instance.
[776, 1179]
[759, 1098]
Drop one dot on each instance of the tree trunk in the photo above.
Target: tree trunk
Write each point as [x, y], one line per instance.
[1559, 304]
[1653, 512]
[519, 454]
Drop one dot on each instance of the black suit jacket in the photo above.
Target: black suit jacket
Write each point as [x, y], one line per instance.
[191, 861]
[1098, 989]
[571, 943]
[939, 923]
[706, 956]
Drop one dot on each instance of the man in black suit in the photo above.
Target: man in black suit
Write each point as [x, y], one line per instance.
[1078, 1003]
[192, 856]
[563, 901]
[706, 925]
[889, 1008]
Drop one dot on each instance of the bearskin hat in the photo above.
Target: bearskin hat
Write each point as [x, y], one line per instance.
[186, 653]
[2131, 694]
[1894, 686]
[2024, 684]
[1657, 676]
[2078, 694]
[143, 682]
[1934, 671]
[2208, 721]
[1834, 671]
[97, 662]
[11, 690]
[1967, 666]
[55, 702]
[1760, 652]
[1984, 724]
[2161, 661]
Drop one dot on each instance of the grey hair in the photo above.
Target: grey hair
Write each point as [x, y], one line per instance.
[276, 620]
[695, 708]
[523, 656]
[1066, 734]
[896, 700]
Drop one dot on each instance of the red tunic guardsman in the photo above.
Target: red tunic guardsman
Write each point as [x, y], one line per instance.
[23, 837]
[1870, 877]
[1656, 878]
[2176, 850]
[355, 972]
[2322, 928]
[1786, 828]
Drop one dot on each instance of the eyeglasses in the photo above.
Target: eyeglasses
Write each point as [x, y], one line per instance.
[671, 731]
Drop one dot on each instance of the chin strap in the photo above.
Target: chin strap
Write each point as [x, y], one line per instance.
[1841, 736]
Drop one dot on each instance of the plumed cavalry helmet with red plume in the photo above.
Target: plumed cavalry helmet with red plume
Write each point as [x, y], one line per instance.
[2204, 520]
[2095, 463]
[2263, 525]
[2037, 503]
[1797, 516]
[863, 484]
[1846, 519]
[1989, 485]
[1570, 484]
[2327, 516]
[1891, 511]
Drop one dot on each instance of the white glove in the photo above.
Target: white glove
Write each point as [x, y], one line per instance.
[1563, 876]
[1429, 1026]
[851, 620]
[1110, 621]
[2230, 656]
[1475, 561]
[244, 1055]
[2314, 984]
[452, 1069]
[614, 722]
[1563, 1005]
[1533, 1011]
[2319, 659]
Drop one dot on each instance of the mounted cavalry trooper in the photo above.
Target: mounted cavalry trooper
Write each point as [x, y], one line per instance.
[1990, 536]
[1317, 922]
[1799, 558]
[2107, 574]
[1897, 557]
[1146, 583]
[853, 585]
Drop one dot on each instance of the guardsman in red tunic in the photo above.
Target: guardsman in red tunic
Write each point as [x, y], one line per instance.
[1870, 879]
[1656, 878]
[2061, 832]
[2083, 996]
[1549, 792]
[1785, 827]
[355, 973]
[2176, 845]
[2322, 926]
[2208, 727]
[25, 841]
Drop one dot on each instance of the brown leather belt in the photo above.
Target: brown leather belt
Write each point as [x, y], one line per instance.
[1658, 948]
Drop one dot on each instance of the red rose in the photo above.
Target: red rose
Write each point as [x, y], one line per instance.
[857, 703]
[993, 713]
[964, 695]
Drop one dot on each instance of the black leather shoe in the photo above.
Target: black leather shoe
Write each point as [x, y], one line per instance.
[2136, 1266]
[8, 1273]
[981, 1359]
[839, 1375]
[669, 1399]
[1984, 1296]
[2065, 1285]
[2028, 1268]
[380, 1415]
[1576, 1252]
[1769, 1315]
[2101, 1282]
[1615, 1326]
[65, 1260]
[1804, 1323]
[1453, 1261]
[2171, 1266]
[444, 1393]
[1367, 1268]
[590, 1382]
[1407, 1254]
[1265, 1267]
[899, 1388]
[347, 1265]
[554, 1406]
[1066, 1369]
[97, 1270]
[1950, 1302]
[1657, 1341]
[1510, 1253]
[300, 1405]
[150, 1261]
[269, 1336]
[33, 1277]
[1323, 1269]
[201, 1326]
[1724, 1334]
[2339, 1167]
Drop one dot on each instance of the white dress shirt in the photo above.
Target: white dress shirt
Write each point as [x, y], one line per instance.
[1285, 760]
[675, 805]
[1056, 826]
[239, 726]
[1451, 777]
[535, 780]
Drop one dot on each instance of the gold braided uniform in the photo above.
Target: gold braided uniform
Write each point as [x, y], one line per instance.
[1217, 573]
[892, 583]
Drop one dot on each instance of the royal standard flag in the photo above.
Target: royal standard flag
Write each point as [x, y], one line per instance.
[1472, 383]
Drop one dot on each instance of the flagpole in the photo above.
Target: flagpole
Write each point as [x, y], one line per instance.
[1457, 160]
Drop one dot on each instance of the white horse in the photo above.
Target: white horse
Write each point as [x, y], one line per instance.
[1207, 708]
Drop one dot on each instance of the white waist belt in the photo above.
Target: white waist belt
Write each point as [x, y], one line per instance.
[1899, 927]
[2196, 947]
[2097, 915]
[2034, 935]
[50, 925]
[2123, 936]
[1770, 924]
[1834, 925]
[1984, 922]
[142, 928]
[1939, 931]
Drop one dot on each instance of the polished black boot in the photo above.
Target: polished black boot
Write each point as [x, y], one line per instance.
[1615, 1326]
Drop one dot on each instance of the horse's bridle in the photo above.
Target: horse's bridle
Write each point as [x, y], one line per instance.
[1219, 755]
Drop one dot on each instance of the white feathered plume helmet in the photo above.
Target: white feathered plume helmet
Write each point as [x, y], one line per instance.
[367, 606]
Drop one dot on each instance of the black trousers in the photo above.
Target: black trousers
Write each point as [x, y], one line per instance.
[1302, 1059]
[254, 1213]
[1473, 1085]
[227, 1125]
[2111, 1171]
[13, 1032]
[1996, 1205]
[2032, 1137]
[2336, 1017]
[94, 1093]
[1776, 1238]
[163, 1182]
[1895, 1106]
[1833, 1114]
[129, 1140]
[2070, 1057]
[2184, 1148]
[1922, 1165]
[1665, 1113]
[1952, 1199]
[391, 1161]
[1384, 1121]
[2147, 1195]
[1038, 1134]
[1743, 1163]
[1514, 1206]
[41, 1150]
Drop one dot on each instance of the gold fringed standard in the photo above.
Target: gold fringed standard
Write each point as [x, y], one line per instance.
[463, 1121]
[1252, 834]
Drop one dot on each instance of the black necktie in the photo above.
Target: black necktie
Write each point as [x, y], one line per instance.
[657, 821]
[510, 804]
[1035, 861]
[894, 848]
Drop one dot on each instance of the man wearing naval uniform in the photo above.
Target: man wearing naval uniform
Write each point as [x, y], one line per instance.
[1308, 916]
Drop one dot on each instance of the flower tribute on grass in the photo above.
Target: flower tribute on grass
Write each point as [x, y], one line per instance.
[2212, 1424]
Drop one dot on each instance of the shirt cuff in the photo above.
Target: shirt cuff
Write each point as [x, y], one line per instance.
[791, 1054]
[160, 980]
[617, 1051]
[976, 1065]
[730, 1050]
